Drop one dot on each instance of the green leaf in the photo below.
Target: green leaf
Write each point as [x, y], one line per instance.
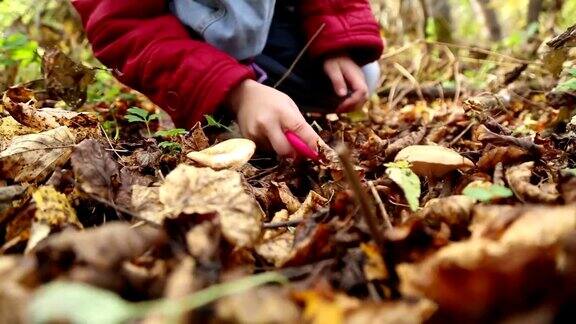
[78, 303]
[211, 122]
[487, 194]
[171, 132]
[83, 304]
[135, 111]
[170, 146]
[407, 180]
[571, 172]
[134, 119]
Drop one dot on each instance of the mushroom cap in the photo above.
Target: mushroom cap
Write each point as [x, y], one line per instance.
[433, 160]
[230, 154]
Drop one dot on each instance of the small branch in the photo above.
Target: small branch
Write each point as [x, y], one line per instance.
[383, 211]
[369, 216]
[121, 209]
[299, 57]
[359, 194]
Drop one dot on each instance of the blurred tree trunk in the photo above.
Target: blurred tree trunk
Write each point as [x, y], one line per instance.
[440, 13]
[534, 9]
[490, 18]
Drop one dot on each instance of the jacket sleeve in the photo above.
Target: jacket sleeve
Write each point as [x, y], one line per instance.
[152, 52]
[349, 26]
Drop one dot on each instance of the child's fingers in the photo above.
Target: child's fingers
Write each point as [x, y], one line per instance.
[279, 142]
[298, 125]
[355, 77]
[334, 72]
[352, 102]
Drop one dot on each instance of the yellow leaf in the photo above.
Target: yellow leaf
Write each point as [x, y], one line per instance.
[53, 208]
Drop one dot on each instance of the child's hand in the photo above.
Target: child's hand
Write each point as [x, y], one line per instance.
[347, 78]
[264, 114]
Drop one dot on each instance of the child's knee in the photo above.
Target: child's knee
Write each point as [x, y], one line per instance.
[372, 73]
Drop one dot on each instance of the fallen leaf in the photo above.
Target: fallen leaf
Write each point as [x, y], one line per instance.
[95, 170]
[432, 160]
[486, 191]
[313, 203]
[277, 244]
[23, 107]
[104, 248]
[77, 303]
[192, 190]
[405, 312]
[10, 128]
[518, 178]
[230, 154]
[146, 203]
[319, 309]
[501, 154]
[285, 195]
[409, 182]
[33, 157]
[53, 210]
[455, 211]
[66, 79]
[263, 305]
[374, 266]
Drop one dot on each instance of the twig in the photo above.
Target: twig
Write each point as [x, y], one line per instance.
[300, 55]
[359, 194]
[383, 211]
[369, 216]
[111, 146]
[410, 77]
[321, 213]
[457, 138]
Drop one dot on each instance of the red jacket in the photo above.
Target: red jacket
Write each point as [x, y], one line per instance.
[151, 51]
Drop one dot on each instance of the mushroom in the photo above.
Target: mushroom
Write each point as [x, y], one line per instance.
[230, 154]
[433, 161]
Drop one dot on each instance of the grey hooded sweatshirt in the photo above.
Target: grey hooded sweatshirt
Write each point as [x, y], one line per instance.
[237, 27]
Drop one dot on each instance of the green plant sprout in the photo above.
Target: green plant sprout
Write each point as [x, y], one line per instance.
[139, 115]
[570, 84]
[171, 132]
[214, 123]
[170, 147]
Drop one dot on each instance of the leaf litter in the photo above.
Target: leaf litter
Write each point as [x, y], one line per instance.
[464, 212]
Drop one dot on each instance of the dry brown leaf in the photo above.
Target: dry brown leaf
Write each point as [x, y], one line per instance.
[374, 266]
[276, 244]
[290, 201]
[313, 203]
[13, 294]
[230, 154]
[452, 210]
[433, 160]
[203, 241]
[501, 154]
[23, 107]
[104, 248]
[95, 170]
[10, 128]
[64, 78]
[413, 138]
[320, 309]
[33, 157]
[146, 203]
[262, 305]
[518, 178]
[534, 228]
[401, 312]
[192, 190]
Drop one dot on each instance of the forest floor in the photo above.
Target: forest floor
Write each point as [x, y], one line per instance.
[438, 202]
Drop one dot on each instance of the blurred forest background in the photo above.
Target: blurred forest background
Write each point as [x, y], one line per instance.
[486, 35]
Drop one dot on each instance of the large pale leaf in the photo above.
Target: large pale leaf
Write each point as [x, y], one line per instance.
[192, 190]
[33, 157]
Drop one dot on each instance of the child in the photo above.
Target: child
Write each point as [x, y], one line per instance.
[194, 56]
